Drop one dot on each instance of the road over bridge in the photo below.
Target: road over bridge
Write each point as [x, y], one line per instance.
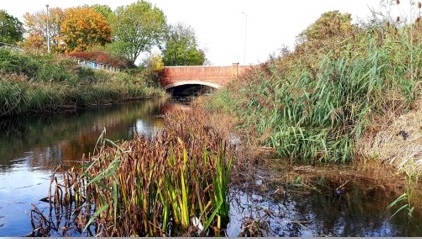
[211, 76]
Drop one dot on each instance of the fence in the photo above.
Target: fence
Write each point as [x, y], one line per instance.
[97, 66]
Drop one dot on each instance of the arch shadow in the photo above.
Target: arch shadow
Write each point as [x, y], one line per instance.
[192, 82]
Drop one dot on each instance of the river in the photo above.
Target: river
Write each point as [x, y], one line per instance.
[32, 147]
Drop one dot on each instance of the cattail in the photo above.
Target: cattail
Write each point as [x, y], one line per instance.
[419, 5]
[397, 2]
[398, 19]
[388, 24]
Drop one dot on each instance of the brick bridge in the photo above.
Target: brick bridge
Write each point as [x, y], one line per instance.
[212, 76]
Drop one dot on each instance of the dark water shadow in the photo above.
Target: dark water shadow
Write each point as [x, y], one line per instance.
[280, 210]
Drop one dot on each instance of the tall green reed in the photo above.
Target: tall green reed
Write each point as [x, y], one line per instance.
[314, 106]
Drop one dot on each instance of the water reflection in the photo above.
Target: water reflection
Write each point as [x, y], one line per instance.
[356, 213]
[32, 147]
[45, 142]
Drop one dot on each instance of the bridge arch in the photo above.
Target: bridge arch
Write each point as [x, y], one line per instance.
[211, 76]
[192, 82]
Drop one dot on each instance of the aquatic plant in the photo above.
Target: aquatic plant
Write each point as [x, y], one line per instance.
[173, 184]
[66, 214]
[411, 194]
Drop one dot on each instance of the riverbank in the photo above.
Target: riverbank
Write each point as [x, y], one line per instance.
[31, 83]
[380, 168]
[349, 96]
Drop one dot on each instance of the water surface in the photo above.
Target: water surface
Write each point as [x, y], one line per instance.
[31, 148]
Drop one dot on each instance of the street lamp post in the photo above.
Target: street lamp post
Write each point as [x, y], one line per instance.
[48, 33]
[246, 27]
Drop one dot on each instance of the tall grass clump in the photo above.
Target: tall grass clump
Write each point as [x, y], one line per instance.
[170, 185]
[342, 81]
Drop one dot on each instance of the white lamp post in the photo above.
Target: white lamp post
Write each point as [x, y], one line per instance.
[246, 26]
[48, 33]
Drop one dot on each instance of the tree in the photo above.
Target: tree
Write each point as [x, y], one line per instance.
[181, 47]
[104, 10]
[11, 29]
[84, 28]
[137, 28]
[36, 27]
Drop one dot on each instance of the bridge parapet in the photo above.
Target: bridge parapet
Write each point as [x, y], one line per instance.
[214, 76]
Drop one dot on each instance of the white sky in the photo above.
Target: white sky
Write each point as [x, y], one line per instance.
[220, 24]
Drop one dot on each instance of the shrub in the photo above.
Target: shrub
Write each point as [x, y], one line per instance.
[14, 62]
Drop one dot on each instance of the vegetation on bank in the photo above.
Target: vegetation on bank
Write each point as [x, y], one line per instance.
[347, 92]
[34, 83]
[342, 83]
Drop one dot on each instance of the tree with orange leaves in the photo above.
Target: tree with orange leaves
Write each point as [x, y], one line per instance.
[84, 28]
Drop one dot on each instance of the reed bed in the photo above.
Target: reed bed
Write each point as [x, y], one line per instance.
[315, 103]
[172, 184]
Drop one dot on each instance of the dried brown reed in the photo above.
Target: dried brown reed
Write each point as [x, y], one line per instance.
[68, 212]
[154, 186]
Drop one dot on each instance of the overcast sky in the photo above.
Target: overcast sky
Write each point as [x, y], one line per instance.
[220, 24]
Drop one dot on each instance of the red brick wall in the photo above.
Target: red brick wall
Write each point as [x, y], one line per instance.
[220, 75]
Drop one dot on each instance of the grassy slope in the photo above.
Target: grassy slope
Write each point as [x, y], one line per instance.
[42, 83]
[315, 103]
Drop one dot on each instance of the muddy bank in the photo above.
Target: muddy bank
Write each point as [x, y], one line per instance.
[399, 142]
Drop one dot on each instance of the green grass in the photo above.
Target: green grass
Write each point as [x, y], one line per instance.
[40, 83]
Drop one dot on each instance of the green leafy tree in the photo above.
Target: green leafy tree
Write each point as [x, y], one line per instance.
[181, 47]
[11, 29]
[137, 28]
[104, 10]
